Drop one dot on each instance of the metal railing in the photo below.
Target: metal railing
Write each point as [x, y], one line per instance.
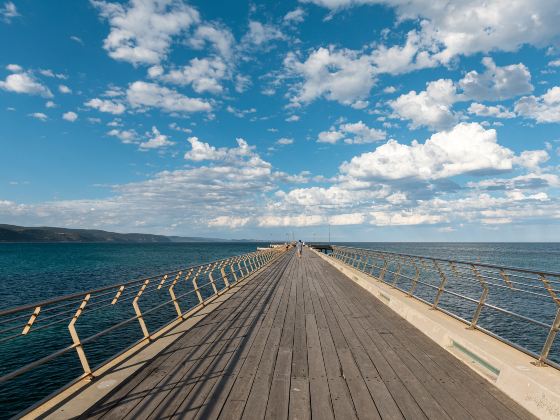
[182, 291]
[498, 300]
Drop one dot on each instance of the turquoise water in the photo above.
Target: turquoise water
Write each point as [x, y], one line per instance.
[35, 272]
[32, 272]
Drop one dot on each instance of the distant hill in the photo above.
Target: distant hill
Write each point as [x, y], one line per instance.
[194, 239]
[12, 233]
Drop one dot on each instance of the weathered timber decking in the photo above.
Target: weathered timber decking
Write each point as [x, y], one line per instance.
[301, 340]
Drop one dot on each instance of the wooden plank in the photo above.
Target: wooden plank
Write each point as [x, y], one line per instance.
[177, 394]
[279, 397]
[300, 407]
[299, 401]
[474, 392]
[299, 357]
[179, 398]
[432, 376]
[342, 404]
[186, 350]
[362, 399]
[417, 380]
[466, 390]
[400, 394]
[201, 331]
[321, 406]
[381, 396]
[254, 399]
[429, 405]
[198, 396]
[242, 364]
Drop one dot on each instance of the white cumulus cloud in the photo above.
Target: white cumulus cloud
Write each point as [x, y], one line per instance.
[203, 151]
[106, 105]
[449, 29]
[64, 89]
[142, 30]
[125, 136]
[260, 34]
[352, 133]
[156, 140]
[70, 116]
[496, 83]
[467, 148]
[338, 75]
[150, 95]
[25, 83]
[498, 111]
[203, 74]
[431, 108]
[295, 16]
[543, 109]
[39, 116]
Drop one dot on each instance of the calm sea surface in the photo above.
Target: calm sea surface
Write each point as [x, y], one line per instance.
[32, 272]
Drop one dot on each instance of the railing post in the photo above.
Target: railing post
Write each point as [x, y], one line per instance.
[172, 294]
[76, 339]
[365, 261]
[241, 273]
[234, 274]
[355, 259]
[506, 279]
[139, 312]
[248, 265]
[223, 273]
[372, 264]
[441, 285]
[118, 295]
[555, 324]
[212, 279]
[164, 278]
[416, 278]
[384, 269]
[254, 261]
[397, 273]
[196, 290]
[258, 262]
[482, 297]
[550, 338]
[32, 319]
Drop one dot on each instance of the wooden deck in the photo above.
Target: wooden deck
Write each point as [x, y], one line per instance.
[301, 340]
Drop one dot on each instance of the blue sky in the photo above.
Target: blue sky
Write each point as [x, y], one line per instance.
[383, 119]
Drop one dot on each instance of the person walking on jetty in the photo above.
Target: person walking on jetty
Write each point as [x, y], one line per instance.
[299, 248]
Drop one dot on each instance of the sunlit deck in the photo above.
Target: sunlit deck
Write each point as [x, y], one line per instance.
[301, 340]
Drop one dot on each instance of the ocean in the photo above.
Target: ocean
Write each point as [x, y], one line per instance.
[33, 272]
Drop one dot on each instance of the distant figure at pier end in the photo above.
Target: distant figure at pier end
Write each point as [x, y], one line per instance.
[299, 247]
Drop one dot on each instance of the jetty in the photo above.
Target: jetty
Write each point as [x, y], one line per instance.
[339, 332]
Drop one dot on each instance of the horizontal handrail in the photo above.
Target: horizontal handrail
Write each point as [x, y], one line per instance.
[480, 264]
[200, 282]
[507, 291]
[112, 286]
